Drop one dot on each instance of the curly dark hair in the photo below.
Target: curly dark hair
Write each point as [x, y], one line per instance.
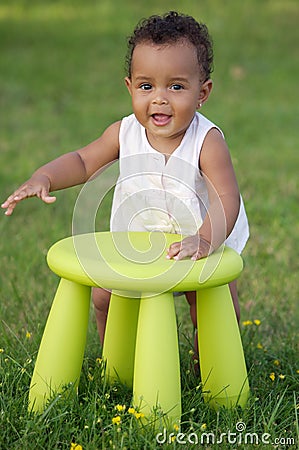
[171, 28]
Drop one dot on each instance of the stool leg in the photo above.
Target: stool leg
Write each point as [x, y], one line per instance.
[60, 356]
[222, 363]
[157, 366]
[120, 337]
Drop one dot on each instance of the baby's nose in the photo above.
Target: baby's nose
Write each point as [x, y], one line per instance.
[160, 97]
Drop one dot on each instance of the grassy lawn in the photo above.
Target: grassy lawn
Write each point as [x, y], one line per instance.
[61, 78]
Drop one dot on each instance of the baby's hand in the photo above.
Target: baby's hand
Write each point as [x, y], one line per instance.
[37, 186]
[195, 247]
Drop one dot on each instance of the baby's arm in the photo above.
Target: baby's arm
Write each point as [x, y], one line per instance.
[67, 170]
[224, 200]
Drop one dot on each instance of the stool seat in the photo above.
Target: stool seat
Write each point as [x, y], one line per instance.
[136, 261]
[141, 343]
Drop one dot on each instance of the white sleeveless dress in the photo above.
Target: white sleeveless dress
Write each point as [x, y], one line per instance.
[154, 195]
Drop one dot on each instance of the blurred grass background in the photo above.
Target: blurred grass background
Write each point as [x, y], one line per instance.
[61, 85]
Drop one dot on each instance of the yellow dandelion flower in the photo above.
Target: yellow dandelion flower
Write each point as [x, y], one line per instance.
[176, 427]
[247, 323]
[272, 376]
[259, 346]
[281, 376]
[297, 371]
[75, 446]
[257, 322]
[116, 420]
[131, 411]
[1, 350]
[203, 427]
[173, 438]
[99, 360]
[120, 408]
[139, 415]
[276, 362]
[28, 335]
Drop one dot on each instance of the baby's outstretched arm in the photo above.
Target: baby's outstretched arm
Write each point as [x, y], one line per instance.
[68, 170]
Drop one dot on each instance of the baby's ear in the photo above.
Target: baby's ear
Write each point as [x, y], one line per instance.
[205, 91]
[128, 83]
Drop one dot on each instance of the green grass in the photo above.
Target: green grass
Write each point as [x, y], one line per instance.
[61, 71]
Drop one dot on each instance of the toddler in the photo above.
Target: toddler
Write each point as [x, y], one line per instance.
[176, 173]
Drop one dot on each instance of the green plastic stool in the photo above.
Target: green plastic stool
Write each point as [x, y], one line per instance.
[141, 342]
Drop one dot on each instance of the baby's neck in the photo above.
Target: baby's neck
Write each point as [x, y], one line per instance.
[164, 145]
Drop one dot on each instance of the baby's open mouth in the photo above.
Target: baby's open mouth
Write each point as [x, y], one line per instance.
[161, 119]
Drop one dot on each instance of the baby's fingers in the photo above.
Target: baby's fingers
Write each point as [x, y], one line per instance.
[173, 250]
[45, 197]
[200, 253]
[9, 207]
[204, 250]
[11, 202]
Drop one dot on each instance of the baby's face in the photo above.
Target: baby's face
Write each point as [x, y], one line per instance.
[166, 90]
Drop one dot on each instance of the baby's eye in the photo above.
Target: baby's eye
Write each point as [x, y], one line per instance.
[145, 86]
[176, 87]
